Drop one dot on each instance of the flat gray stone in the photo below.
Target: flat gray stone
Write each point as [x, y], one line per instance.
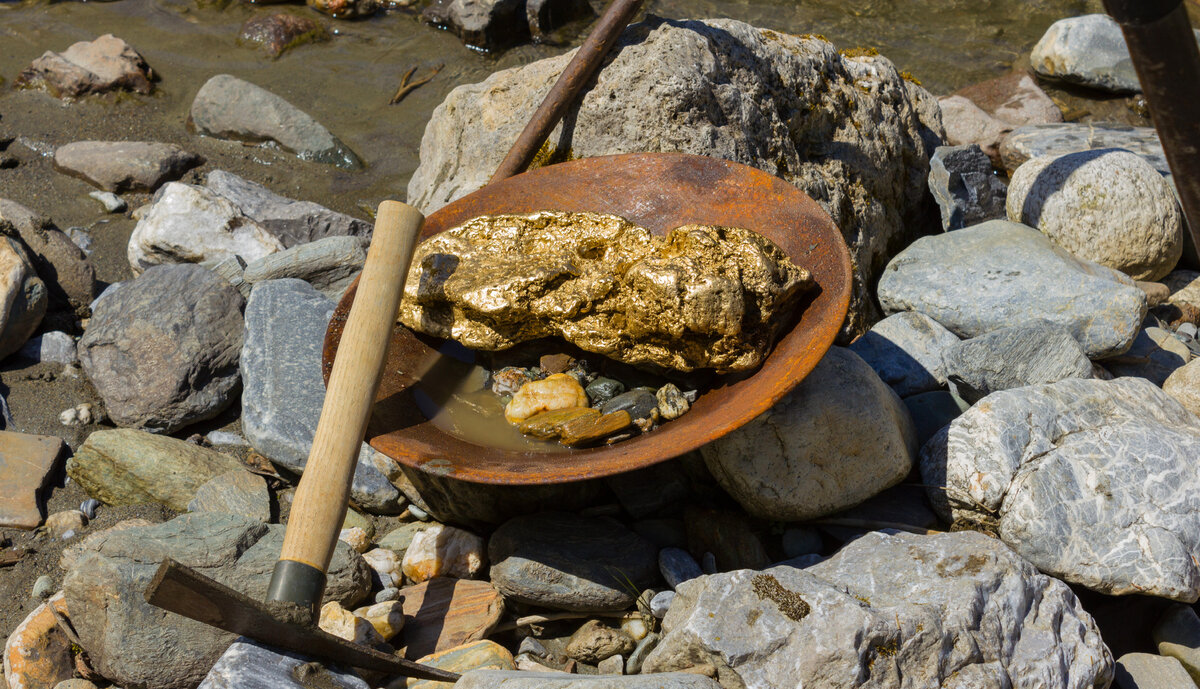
[135, 644]
[229, 108]
[123, 166]
[1000, 274]
[888, 610]
[839, 437]
[1040, 352]
[328, 264]
[570, 562]
[1109, 206]
[248, 664]
[234, 492]
[965, 187]
[906, 350]
[503, 679]
[283, 390]
[1037, 140]
[1149, 671]
[1093, 481]
[163, 349]
[291, 222]
[54, 347]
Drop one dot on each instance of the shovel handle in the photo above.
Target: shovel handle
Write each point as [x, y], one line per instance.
[319, 506]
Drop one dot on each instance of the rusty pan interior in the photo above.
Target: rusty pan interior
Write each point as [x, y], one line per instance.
[658, 191]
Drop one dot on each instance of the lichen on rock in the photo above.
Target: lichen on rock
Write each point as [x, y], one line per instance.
[702, 297]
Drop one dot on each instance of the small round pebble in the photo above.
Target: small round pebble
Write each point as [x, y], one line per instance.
[418, 513]
[89, 507]
[387, 594]
[533, 647]
[603, 389]
[660, 603]
[75, 683]
[671, 402]
[68, 535]
[43, 587]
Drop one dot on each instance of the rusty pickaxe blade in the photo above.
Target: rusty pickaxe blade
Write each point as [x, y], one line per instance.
[184, 591]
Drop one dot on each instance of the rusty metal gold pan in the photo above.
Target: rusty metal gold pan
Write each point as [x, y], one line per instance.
[658, 191]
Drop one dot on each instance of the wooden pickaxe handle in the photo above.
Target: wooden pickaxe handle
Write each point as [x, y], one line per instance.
[319, 506]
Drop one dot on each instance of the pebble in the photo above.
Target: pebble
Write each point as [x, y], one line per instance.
[54, 347]
[386, 564]
[595, 641]
[603, 389]
[60, 524]
[533, 647]
[507, 380]
[79, 415]
[966, 189]
[677, 566]
[444, 551]
[661, 603]
[111, 202]
[418, 513]
[344, 624]
[634, 665]
[356, 538]
[43, 587]
[639, 403]
[89, 507]
[612, 665]
[671, 402]
[81, 238]
[68, 534]
[559, 391]
[226, 438]
[386, 594]
[387, 617]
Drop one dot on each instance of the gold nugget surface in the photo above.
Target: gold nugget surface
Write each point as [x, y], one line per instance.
[701, 297]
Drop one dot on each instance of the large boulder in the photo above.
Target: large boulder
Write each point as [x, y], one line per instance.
[283, 389]
[1000, 274]
[162, 350]
[1093, 481]
[839, 437]
[890, 610]
[849, 131]
[1108, 205]
[69, 277]
[135, 644]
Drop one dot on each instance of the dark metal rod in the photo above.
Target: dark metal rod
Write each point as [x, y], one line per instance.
[581, 68]
[1167, 61]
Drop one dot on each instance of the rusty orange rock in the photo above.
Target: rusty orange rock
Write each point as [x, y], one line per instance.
[38, 653]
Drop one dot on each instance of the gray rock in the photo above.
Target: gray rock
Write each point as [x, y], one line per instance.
[661, 603]
[639, 402]
[1088, 50]
[1092, 481]
[135, 644]
[233, 271]
[163, 349]
[282, 387]
[105, 64]
[906, 350]
[217, 438]
[612, 665]
[247, 664]
[228, 108]
[386, 594]
[969, 125]
[648, 643]
[839, 437]
[1000, 274]
[965, 187]
[725, 89]
[486, 24]
[1035, 141]
[1149, 671]
[1155, 355]
[70, 280]
[503, 679]
[603, 389]
[887, 611]
[123, 166]
[677, 566]
[190, 224]
[43, 588]
[81, 238]
[291, 222]
[1106, 205]
[1177, 635]
[111, 202]
[931, 411]
[570, 562]
[53, 347]
[328, 264]
[1039, 352]
[399, 538]
[234, 492]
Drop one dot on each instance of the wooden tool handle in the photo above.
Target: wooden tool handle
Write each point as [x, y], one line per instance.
[616, 17]
[320, 503]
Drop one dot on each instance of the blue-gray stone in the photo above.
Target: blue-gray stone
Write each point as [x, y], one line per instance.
[292, 222]
[906, 350]
[638, 402]
[386, 594]
[660, 603]
[1037, 140]
[89, 507]
[965, 187]
[1014, 357]
[248, 664]
[647, 644]
[1088, 50]
[603, 389]
[1000, 274]
[677, 566]
[54, 347]
[283, 389]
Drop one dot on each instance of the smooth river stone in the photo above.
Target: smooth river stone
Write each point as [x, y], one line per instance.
[549, 424]
[1000, 274]
[1093, 481]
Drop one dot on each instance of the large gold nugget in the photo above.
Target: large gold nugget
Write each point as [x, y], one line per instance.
[702, 297]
